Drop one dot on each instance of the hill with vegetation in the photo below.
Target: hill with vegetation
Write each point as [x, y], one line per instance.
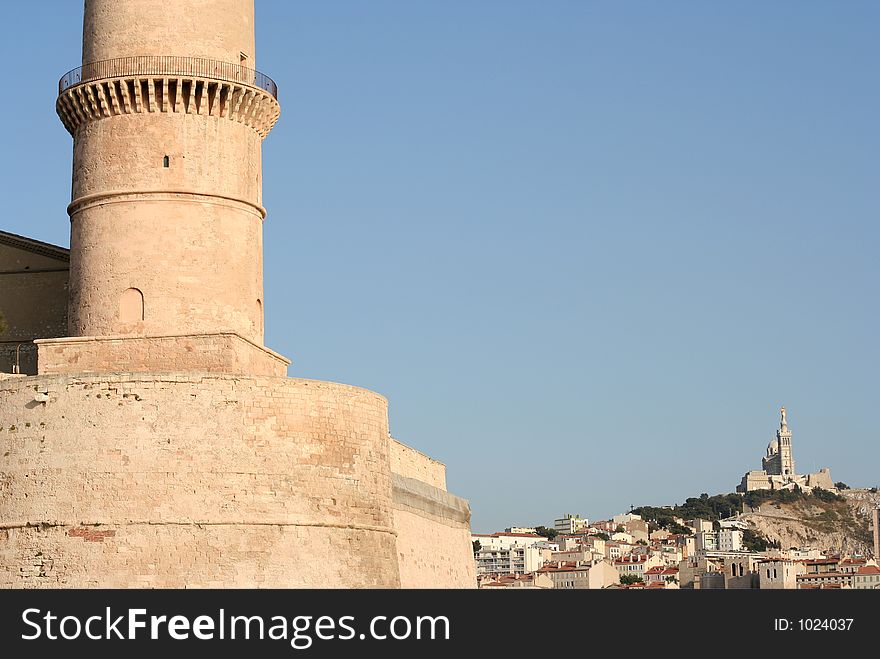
[837, 522]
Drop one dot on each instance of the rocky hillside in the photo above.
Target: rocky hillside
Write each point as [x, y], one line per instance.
[836, 525]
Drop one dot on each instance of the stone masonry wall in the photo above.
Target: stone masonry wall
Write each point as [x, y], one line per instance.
[434, 547]
[209, 353]
[33, 301]
[193, 480]
[216, 29]
[433, 554]
[411, 463]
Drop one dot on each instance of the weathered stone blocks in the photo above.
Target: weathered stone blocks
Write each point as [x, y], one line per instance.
[194, 480]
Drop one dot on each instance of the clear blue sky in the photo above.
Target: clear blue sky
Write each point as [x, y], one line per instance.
[586, 249]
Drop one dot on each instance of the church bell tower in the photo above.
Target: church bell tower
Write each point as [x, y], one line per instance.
[783, 436]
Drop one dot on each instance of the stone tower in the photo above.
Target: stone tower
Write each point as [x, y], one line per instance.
[161, 443]
[779, 460]
[783, 436]
[168, 116]
[875, 515]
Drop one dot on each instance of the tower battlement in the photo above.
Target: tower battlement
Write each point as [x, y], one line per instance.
[187, 85]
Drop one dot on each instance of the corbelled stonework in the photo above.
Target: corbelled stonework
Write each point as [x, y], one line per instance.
[179, 85]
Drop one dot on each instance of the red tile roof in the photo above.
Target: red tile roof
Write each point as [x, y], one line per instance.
[815, 575]
[564, 566]
[508, 535]
[662, 570]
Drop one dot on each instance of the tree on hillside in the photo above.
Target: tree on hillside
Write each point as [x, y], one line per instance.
[840, 485]
[756, 542]
[826, 495]
[627, 579]
[678, 529]
[550, 534]
[602, 536]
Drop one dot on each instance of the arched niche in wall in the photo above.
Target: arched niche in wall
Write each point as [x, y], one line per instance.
[131, 306]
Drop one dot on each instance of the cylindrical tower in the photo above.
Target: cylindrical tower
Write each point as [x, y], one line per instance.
[167, 114]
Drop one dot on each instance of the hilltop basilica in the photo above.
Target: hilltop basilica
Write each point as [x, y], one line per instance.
[778, 468]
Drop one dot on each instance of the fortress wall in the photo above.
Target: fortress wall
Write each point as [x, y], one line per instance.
[411, 463]
[208, 353]
[195, 556]
[197, 480]
[433, 536]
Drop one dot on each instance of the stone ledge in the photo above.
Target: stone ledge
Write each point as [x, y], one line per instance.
[222, 352]
[428, 501]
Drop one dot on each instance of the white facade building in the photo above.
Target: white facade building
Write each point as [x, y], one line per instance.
[571, 524]
[730, 540]
[706, 541]
[509, 553]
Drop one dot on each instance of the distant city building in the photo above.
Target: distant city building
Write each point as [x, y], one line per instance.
[700, 525]
[706, 541]
[852, 565]
[778, 467]
[509, 553]
[521, 529]
[823, 564]
[801, 553]
[637, 564]
[692, 571]
[730, 540]
[741, 571]
[779, 574]
[615, 550]
[661, 573]
[570, 524]
[813, 580]
[638, 529]
[576, 575]
[531, 580]
[825, 573]
[867, 577]
[621, 520]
